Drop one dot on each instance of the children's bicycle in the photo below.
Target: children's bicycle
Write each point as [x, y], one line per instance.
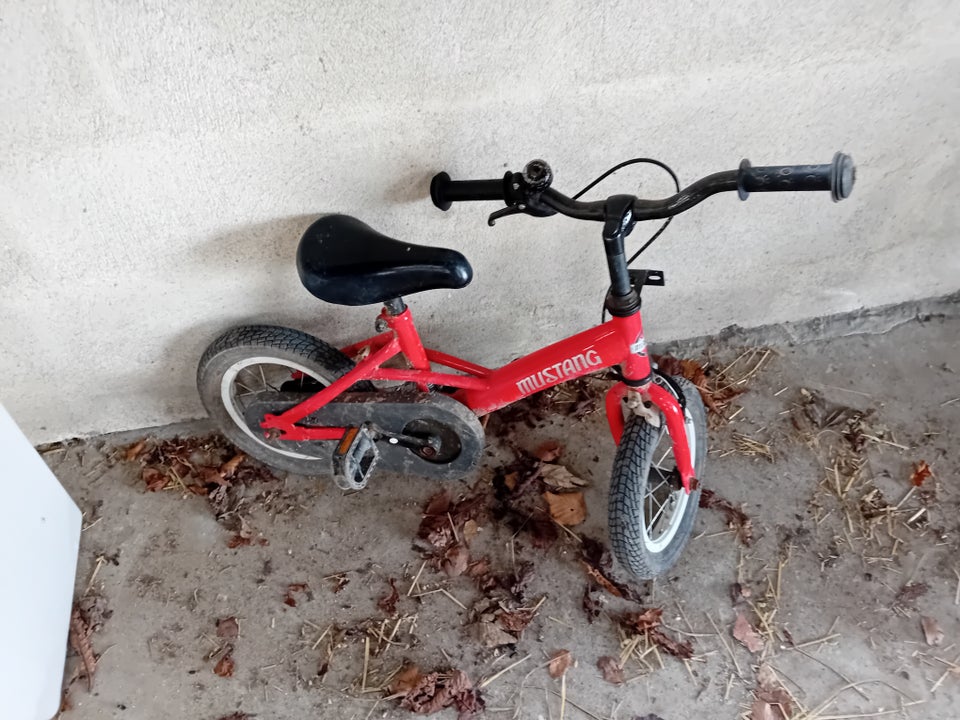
[301, 405]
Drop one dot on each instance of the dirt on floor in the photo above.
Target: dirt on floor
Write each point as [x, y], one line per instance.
[822, 581]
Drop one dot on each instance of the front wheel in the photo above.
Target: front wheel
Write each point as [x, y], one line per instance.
[650, 517]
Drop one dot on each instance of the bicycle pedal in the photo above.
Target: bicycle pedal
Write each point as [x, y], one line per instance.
[355, 457]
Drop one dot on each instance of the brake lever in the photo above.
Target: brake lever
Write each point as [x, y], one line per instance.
[494, 216]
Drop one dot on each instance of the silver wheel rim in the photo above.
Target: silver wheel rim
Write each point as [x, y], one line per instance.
[242, 375]
[662, 509]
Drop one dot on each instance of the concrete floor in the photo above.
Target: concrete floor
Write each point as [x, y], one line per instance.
[170, 574]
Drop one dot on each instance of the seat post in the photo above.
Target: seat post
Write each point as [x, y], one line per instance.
[395, 306]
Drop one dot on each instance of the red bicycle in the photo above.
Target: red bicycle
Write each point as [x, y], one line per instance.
[301, 405]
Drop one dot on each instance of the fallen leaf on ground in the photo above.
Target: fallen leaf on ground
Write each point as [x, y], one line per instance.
[932, 632]
[228, 628]
[80, 632]
[737, 519]
[650, 716]
[405, 680]
[715, 393]
[238, 716]
[771, 705]
[388, 603]
[592, 602]
[237, 540]
[543, 531]
[557, 476]
[491, 635]
[134, 450]
[435, 691]
[568, 508]
[230, 466]
[455, 560]
[640, 622]
[438, 503]
[746, 634]
[908, 594]
[560, 662]
[549, 451]
[611, 670]
[292, 588]
[515, 621]
[225, 665]
[154, 479]
[470, 530]
[678, 648]
[921, 471]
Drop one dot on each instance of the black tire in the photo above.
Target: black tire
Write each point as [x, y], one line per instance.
[631, 544]
[325, 363]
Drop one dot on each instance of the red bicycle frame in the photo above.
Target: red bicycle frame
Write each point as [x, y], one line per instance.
[618, 341]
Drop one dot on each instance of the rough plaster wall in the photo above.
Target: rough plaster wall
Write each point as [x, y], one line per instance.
[158, 162]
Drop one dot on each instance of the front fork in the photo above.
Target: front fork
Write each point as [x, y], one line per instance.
[676, 425]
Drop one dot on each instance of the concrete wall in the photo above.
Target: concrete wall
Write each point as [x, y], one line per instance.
[158, 162]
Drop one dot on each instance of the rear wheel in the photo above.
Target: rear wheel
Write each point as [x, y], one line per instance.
[650, 516]
[253, 359]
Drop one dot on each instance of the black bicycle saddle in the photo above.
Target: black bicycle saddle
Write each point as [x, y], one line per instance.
[344, 261]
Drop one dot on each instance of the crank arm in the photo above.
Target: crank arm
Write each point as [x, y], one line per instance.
[407, 441]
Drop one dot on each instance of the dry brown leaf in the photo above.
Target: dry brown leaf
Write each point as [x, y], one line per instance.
[908, 594]
[772, 706]
[557, 476]
[80, 632]
[154, 479]
[225, 665]
[405, 680]
[678, 648]
[932, 632]
[515, 621]
[292, 588]
[568, 508]
[549, 451]
[230, 466]
[510, 480]
[388, 603]
[435, 691]
[612, 672]
[455, 560]
[228, 628]
[767, 677]
[640, 622]
[746, 634]
[470, 530]
[134, 450]
[921, 471]
[560, 662]
[491, 635]
[438, 503]
[592, 602]
[238, 716]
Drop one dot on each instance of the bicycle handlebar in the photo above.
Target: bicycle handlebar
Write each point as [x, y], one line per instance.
[837, 177]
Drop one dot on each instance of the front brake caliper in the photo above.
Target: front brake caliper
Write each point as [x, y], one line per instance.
[643, 407]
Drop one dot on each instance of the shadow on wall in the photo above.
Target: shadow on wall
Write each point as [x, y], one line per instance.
[251, 276]
[264, 246]
[414, 186]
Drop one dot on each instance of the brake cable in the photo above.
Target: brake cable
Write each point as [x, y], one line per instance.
[659, 232]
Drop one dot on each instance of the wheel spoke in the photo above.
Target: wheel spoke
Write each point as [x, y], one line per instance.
[658, 515]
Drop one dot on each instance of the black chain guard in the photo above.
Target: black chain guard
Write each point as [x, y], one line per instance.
[391, 410]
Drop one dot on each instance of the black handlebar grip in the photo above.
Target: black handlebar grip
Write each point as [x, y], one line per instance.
[838, 177]
[444, 191]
